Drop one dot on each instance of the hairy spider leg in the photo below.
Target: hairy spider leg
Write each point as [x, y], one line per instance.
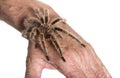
[37, 34]
[24, 34]
[39, 14]
[58, 35]
[55, 43]
[43, 46]
[69, 34]
[46, 14]
[32, 36]
[55, 21]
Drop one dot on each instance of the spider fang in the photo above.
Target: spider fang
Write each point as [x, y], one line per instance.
[44, 29]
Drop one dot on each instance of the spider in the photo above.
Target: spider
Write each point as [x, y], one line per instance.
[45, 29]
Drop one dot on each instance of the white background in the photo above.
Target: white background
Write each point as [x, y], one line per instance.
[97, 21]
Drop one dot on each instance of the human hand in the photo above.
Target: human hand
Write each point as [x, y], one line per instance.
[81, 62]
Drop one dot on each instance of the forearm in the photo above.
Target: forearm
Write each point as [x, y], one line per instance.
[14, 12]
[81, 62]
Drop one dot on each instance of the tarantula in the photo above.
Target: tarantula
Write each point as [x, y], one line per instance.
[44, 28]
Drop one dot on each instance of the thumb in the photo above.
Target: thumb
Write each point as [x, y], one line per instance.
[35, 62]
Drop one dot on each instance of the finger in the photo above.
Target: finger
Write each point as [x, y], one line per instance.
[35, 62]
[33, 70]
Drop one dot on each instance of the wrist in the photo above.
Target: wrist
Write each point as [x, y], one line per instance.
[13, 13]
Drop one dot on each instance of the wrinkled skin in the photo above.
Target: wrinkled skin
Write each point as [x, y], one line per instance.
[80, 62]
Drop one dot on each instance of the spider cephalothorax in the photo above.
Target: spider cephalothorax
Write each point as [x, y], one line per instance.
[44, 28]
